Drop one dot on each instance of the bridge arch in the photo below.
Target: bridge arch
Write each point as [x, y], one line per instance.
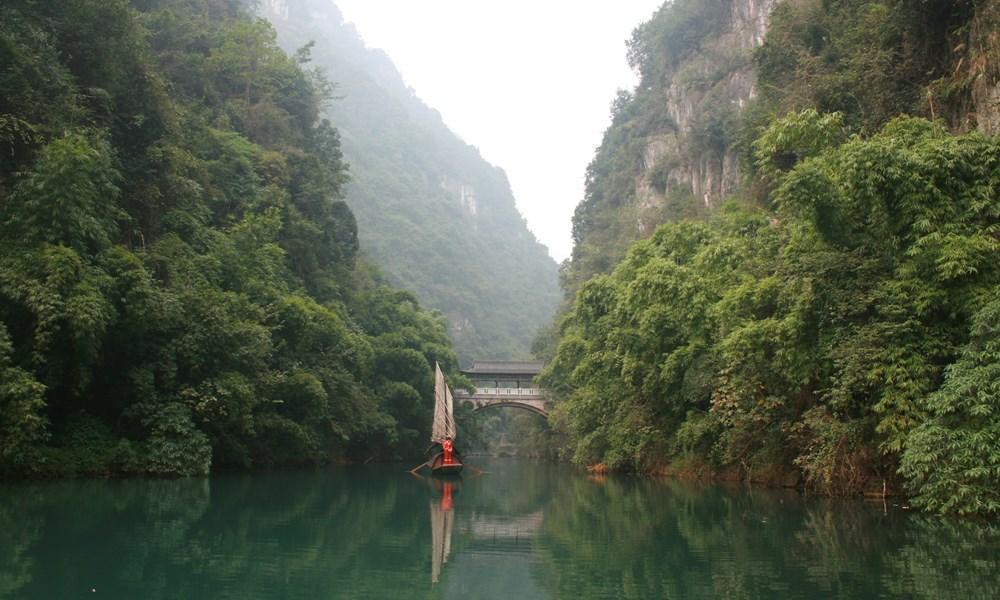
[535, 407]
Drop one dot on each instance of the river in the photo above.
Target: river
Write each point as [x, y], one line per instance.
[521, 530]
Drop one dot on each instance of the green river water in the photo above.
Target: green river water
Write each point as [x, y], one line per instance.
[520, 531]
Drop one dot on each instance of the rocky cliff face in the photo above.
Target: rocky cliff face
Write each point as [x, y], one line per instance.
[982, 59]
[675, 145]
[278, 9]
[671, 149]
[717, 77]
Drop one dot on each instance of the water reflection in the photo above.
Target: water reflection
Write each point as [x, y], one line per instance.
[521, 530]
[442, 523]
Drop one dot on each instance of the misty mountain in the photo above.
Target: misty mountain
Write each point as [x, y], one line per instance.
[432, 213]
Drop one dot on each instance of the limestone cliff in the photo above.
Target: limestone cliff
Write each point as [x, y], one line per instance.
[671, 149]
[715, 73]
[978, 59]
[716, 76]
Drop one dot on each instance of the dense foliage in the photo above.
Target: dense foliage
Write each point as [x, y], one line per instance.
[871, 60]
[179, 280]
[819, 334]
[834, 324]
[433, 214]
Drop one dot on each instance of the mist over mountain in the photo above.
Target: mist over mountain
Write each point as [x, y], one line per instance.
[432, 213]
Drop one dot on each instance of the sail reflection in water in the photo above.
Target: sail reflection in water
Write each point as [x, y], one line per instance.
[442, 523]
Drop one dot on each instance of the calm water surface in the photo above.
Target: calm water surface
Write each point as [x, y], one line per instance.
[520, 531]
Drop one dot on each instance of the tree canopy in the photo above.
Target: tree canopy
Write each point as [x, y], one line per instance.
[844, 329]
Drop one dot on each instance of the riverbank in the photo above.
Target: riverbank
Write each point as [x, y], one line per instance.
[694, 469]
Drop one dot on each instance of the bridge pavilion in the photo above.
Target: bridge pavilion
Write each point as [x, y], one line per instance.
[504, 383]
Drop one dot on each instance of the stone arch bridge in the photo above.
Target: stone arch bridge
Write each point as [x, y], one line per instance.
[504, 383]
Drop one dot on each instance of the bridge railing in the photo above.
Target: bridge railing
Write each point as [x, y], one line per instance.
[498, 391]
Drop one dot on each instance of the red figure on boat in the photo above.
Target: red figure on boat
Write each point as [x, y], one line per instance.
[447, 460]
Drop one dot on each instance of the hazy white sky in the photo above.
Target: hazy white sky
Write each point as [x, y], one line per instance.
[528, 82]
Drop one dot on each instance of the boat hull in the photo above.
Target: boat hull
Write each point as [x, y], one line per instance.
[438, 466]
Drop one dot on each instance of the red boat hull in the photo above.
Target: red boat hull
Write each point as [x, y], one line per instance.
[438, 466]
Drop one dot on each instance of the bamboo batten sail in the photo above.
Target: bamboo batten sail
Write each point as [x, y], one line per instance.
[444, 408]
[450, 402]
[439, 428]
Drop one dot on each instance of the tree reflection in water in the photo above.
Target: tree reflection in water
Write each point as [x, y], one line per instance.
[522, 530]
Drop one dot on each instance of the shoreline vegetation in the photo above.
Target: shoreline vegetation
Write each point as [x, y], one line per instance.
[835, 321]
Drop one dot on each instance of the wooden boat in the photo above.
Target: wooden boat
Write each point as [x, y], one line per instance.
[447, 461]
[439, 467]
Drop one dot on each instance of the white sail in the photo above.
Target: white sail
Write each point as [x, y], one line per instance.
[439, 428]
[450, 412]
[444, 408]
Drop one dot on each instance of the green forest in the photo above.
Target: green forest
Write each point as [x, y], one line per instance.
[180, 281]
[835, 323]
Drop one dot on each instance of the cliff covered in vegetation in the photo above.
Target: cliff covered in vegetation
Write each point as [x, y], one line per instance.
[437, 218]
[714, 73]
[180, 285]
[819, 307]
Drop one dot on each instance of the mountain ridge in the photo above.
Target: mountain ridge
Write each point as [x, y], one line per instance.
[432, 212]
